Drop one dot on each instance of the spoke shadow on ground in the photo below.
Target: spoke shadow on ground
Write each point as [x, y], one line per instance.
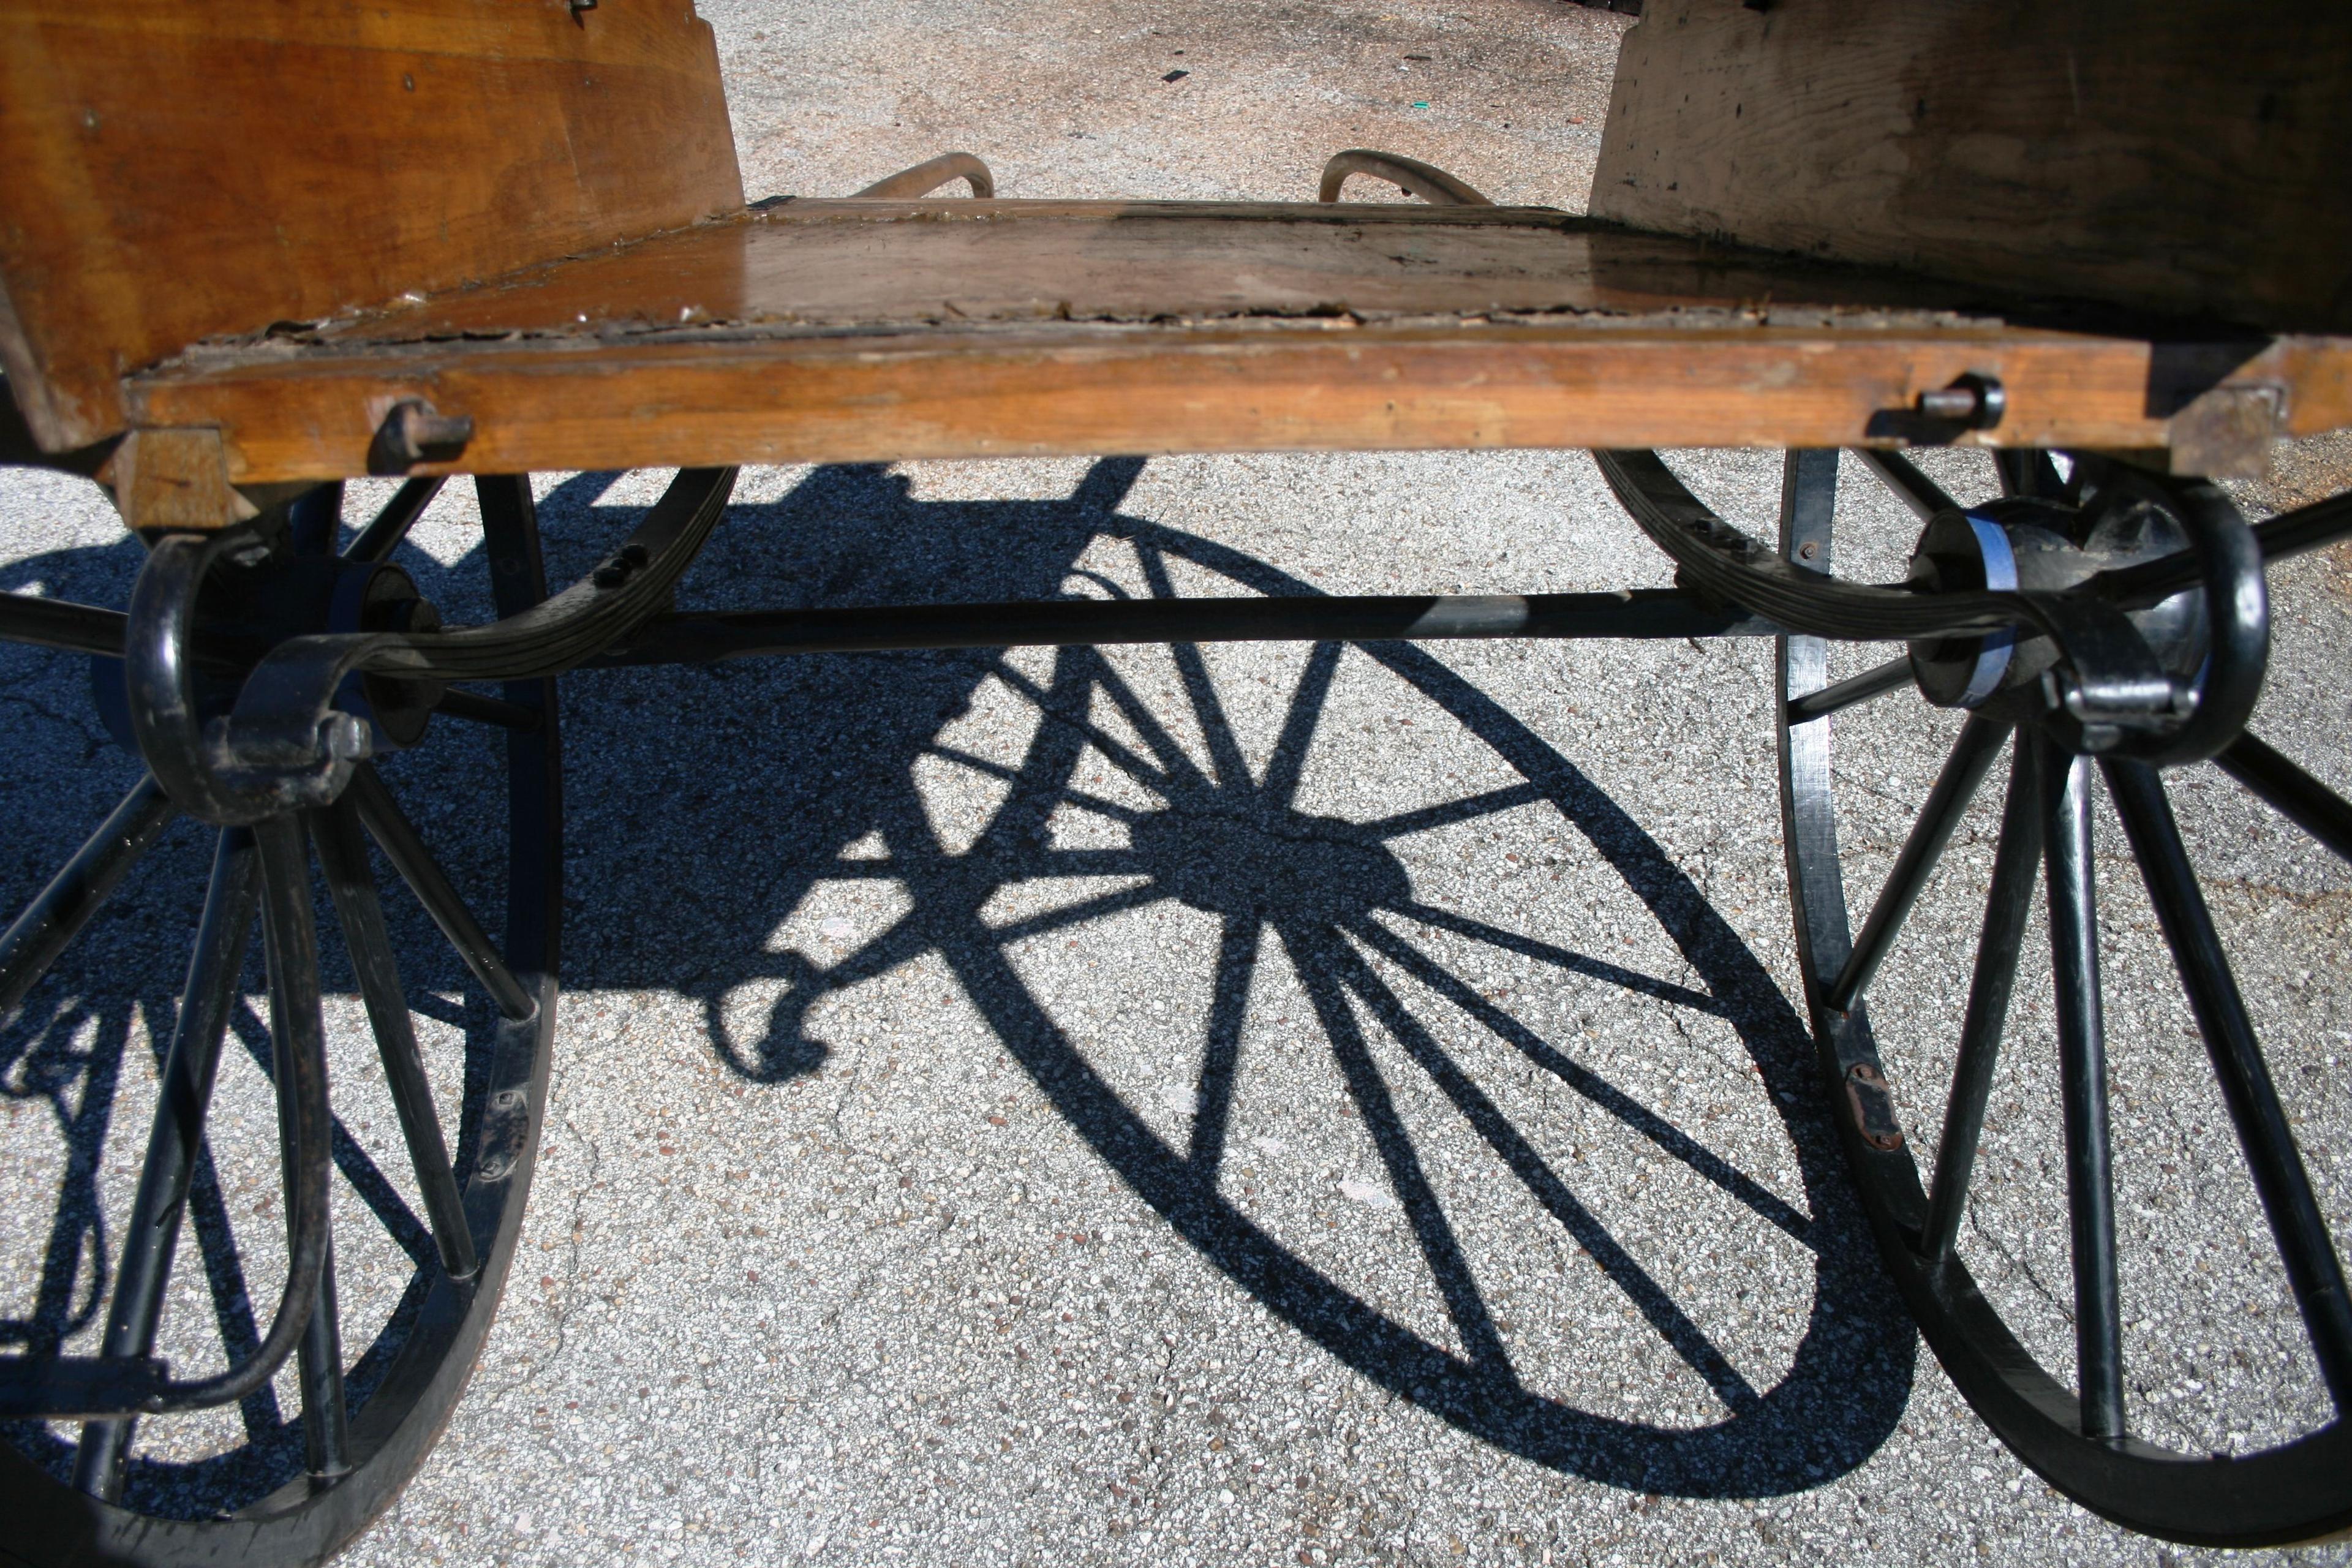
[713, 800]
[827, 747]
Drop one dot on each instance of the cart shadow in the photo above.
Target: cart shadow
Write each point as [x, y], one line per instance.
[712, 801]
[721, 809]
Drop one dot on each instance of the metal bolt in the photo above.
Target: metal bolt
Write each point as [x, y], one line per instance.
[1809, 549]
[622, 564]
[415, 432]
[1975, 401]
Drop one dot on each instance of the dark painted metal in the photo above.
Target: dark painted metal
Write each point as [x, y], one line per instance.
[61, 623]
[2083, 1088]
[2298, 1223]
[318, 1368]
[100, 1388]
[1915, 489]
[2027, 472]
[420, 1373]
[2295, 1490]
[476, 708]
[2290, 533]
[151, 1234]
[296, 1036]
[2292, 793]
[2016, 862]
[343, 858]
[285, 746]
[384, 531]
[1972, 755]
[405, 850]
[51, 921]
[1853, 691]
[534, 780]
[2111, 695]
[2237, 615]
[1657, 613]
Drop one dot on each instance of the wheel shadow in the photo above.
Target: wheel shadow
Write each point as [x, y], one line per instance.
[721, 809]
[715, 799]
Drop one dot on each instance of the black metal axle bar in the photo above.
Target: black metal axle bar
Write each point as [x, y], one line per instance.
[708, 638]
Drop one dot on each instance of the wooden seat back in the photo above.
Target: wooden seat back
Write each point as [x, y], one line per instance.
[170, 170]
[2172, 156]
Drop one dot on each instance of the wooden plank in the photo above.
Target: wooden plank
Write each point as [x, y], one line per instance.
[2187, 157]
[950, 262]
[1073, 388]
[177, 171]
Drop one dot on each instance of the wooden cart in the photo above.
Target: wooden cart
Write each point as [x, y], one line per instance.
[256, 248]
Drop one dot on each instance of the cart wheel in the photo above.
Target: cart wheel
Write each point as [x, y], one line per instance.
[423, 1239]
[2180, 1282]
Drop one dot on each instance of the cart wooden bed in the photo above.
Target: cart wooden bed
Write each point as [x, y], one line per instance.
[2112, 243]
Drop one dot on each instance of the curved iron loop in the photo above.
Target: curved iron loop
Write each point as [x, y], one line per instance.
[928, 176]
[1411, 175]
[2105, 711]
[301, 1061]
[285, 746]
[2228, 558]
[2290, 533]
[111, 1386]
[188, 756]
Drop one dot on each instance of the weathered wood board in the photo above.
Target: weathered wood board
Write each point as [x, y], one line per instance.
[172, 171]
[2185, 158]
[876, 331]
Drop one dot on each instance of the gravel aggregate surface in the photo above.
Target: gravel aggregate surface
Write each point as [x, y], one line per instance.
[1224, 1105]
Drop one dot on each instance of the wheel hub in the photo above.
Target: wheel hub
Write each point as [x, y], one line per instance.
[2022, 546]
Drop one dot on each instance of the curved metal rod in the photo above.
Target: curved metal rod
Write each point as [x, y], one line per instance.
[1411, 175]
[926, 177]
[2290, 533]
[101, 1387]
[183, 1098]
[285, 746]
[290, 946]
[1722, 561]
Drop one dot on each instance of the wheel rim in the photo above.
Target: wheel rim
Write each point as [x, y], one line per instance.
[448, 1233]
[2078, 1435]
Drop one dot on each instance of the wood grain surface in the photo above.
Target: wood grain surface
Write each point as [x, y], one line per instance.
[718, 397]
[950, 261]
[176, 171]
[2170, 155]
[871, 331]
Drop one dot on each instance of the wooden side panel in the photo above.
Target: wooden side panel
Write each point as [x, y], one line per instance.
[170, 170]
[2163, 155]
